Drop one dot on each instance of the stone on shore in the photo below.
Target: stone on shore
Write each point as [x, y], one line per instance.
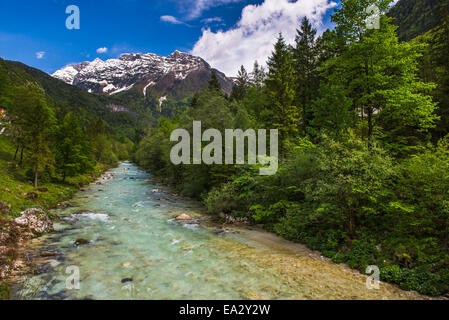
[36, 220]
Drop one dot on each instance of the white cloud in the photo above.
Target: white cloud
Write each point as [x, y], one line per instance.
[195, 8]
[254, 35]
[40, 55]
[211, 20]
[102, 50]
[171, 19]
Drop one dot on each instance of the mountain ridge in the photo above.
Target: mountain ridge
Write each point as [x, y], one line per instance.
[148, 72]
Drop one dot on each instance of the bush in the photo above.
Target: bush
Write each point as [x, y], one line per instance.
[222, 199]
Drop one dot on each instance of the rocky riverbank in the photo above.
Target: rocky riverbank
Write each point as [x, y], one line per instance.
[15, 233]
[31, 224]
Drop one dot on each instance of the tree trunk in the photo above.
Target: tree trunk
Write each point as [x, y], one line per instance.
[35, 174]
[352, 223]
[370, 127]
[17, 151]
[21, 157]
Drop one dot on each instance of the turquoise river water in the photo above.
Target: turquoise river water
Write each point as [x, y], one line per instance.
[135, 249]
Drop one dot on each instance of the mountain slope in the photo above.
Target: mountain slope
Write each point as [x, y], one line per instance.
[416, 17]
[66, 98]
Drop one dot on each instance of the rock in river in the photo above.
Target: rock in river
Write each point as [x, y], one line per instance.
[184, 217]
[81, 242]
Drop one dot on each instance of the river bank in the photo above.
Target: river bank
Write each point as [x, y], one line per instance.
[127, 244]
[16, 200]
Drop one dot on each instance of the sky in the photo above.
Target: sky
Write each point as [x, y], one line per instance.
[226, 33]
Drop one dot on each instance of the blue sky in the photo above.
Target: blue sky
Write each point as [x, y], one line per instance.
[34, 32]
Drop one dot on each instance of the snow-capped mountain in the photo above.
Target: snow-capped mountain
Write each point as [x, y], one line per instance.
[145, 72]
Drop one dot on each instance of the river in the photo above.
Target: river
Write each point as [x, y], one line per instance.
[137, 250]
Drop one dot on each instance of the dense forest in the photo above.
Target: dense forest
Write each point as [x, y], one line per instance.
[363, 124]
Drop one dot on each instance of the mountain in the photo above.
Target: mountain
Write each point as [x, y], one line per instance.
[416, 17]
[67, 98]
[178, 75]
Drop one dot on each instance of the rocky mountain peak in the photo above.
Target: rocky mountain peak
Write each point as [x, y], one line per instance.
[144, 71]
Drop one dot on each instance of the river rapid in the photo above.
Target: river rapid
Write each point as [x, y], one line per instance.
[123, 238]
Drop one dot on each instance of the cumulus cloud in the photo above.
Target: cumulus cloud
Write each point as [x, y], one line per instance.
[102, 50]
[40, 55]
[171, 19]
[254, 35]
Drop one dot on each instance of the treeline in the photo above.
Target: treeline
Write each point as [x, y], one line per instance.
[52, 143]
[364, 147]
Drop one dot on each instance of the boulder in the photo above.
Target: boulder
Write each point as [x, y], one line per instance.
[4, 208]
[36, 220]
[184, 217]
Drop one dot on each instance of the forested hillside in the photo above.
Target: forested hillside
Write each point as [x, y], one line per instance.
[364, 151]
[415, 17]
[53, 134]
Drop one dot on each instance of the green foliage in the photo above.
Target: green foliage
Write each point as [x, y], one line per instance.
[222, 199]
[379, 76]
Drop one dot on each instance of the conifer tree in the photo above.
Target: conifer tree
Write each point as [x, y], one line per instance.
[258, 76]
[281, 86]
[306, 57]
[240, 89]
[214, 84]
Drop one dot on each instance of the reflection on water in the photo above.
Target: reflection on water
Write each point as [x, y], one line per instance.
[123, 237]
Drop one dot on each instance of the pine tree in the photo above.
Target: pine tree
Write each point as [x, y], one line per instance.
[214, 84]
[240, 89]
[306, 57]
[258, 76]
[281, 88]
